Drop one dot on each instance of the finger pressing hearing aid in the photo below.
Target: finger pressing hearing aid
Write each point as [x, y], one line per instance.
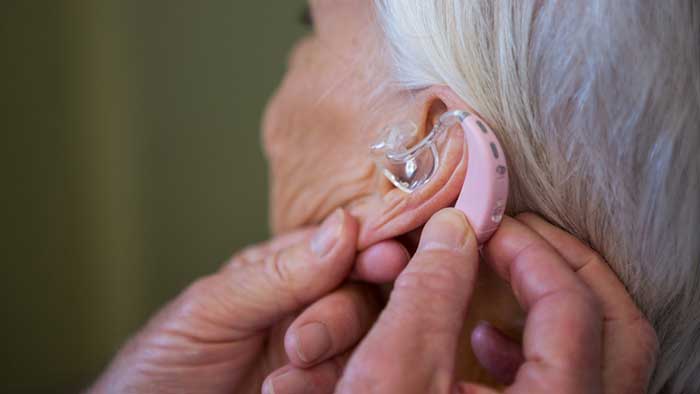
[331, 325]
[441, 273]
[424, 316]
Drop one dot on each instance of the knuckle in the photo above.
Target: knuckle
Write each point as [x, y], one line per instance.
[528, 256]
[589, 300]
[281, 275]
[199, 289]
[533, 250]
[255, 251]
[279, 270]
[199, 293]
[237, 262]
[591, 258]
[580, 299]
[250, 251]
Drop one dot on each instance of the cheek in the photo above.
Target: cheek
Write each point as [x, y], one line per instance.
[316, 143]
[272, 126]
[295, 110]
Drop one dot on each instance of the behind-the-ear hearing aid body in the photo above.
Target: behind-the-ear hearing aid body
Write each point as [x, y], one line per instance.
[485, 190]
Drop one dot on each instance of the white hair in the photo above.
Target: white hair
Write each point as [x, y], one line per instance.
[598, 105]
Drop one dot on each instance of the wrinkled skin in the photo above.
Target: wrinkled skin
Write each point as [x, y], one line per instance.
[318, 127]
[328, 110]
[583, 334]
[317, 131]
[230, 331]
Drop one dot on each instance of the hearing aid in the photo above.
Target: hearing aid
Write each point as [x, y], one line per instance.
[484, 193]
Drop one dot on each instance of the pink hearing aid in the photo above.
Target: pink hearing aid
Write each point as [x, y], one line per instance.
[484, 193]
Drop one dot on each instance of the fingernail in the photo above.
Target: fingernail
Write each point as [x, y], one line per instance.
[290, 382]
[313, 341]
[323, 241]
[447, 229]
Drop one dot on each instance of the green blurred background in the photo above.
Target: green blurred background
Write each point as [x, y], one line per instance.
[131, 164]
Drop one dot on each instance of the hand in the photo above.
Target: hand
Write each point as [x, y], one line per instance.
[583, 333]
[226, 331]
[629, 344]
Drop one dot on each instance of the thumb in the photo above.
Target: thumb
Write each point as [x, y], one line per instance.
[252, 293]
[419, 329]
[432, 293]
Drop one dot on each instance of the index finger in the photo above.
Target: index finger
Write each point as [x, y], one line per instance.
[563, 333]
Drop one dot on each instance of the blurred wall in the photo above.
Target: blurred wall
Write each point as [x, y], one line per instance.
[131, 164]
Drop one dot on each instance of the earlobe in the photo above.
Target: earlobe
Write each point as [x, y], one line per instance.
[392, 212]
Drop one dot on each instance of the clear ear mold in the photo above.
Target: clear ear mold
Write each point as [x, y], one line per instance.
[409, 163]
[408, 166]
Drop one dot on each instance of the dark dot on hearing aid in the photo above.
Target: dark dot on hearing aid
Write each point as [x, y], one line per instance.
[482, 127]
[494, 149]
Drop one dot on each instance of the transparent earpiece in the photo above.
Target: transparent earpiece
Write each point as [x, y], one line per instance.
[410, 167]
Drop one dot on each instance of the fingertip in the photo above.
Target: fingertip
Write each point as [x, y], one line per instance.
[448, 229]
[350, 222]
[336, 235]
[347, 245]
[320, 378]
[498, 354]
[287, 380]
[480, 333]
[381, 263]
[307, 343]
[331, 325]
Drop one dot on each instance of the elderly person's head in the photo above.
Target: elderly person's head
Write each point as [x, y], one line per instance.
[597, 104]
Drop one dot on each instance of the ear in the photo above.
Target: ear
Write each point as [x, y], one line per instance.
[390, 212]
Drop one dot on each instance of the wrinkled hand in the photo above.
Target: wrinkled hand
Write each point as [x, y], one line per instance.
[226, 332]
[583, 333]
